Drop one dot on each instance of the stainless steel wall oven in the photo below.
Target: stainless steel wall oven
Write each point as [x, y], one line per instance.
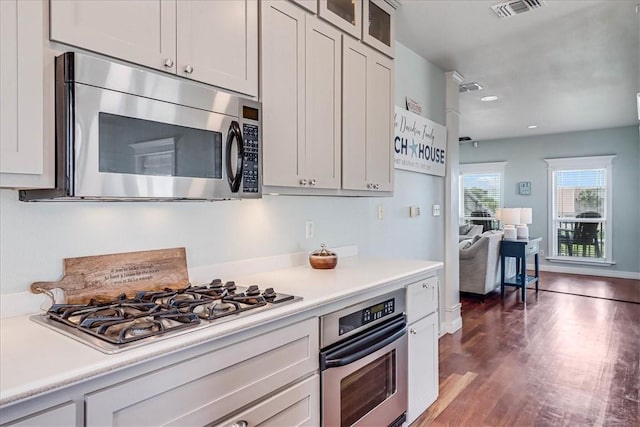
[363, 363]
[123, 132]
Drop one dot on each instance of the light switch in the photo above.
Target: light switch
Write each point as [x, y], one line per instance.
[436, 210]
[414, 211]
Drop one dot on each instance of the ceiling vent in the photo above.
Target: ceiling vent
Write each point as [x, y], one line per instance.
[512, 8]
[468, 87]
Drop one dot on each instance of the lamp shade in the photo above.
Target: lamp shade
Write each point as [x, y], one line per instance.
[498, 214]
[510, 216]
[526, 215]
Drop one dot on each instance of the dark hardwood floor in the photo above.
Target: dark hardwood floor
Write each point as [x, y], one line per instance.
[561, 360]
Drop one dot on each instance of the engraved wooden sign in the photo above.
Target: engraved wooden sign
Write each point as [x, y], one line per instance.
[103, 277]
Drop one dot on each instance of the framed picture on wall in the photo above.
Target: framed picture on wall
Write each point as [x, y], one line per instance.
[524, 188]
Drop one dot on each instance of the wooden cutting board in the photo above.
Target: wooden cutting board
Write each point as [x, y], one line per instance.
[104, 277]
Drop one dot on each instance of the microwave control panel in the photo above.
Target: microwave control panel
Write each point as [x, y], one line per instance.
[366, 315]
[250, 177]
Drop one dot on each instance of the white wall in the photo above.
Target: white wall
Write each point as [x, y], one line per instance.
[35, 237]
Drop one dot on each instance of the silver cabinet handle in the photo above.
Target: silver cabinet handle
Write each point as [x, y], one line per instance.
[313, 182]
[188, 69]
[241, 423]
[168, 63]
[412, 331]
[303, 182]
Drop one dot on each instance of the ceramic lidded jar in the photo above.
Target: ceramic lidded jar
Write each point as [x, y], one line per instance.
[323, 258]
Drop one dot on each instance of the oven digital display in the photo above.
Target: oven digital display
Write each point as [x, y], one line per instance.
[359, 318]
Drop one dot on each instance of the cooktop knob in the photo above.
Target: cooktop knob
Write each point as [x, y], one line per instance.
[252, 290]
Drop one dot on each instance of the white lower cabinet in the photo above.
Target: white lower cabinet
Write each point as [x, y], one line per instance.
[62, 415]
[296, 406]
[422, 316]
[423, 365]
[207, 388]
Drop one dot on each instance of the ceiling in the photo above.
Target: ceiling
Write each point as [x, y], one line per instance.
[567, 66]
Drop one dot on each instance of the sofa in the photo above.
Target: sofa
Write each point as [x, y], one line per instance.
[480, 263]
[469, 231]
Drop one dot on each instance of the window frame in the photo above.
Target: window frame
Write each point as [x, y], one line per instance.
[580, 163]
[479, 168]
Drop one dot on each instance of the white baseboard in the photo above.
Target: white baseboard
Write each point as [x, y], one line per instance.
[452, 321]
[587, 271]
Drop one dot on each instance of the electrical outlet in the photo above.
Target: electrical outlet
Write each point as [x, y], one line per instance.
[380, 212]
[541, 252]
[308, 229]
[436, 210]
[414, 211]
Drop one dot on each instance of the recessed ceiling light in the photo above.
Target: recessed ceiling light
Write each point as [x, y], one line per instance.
[532, 126]
[489, 98]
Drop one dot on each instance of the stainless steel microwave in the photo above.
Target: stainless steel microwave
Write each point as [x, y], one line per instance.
[125, 133]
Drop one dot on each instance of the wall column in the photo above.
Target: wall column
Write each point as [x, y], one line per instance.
[451, 319]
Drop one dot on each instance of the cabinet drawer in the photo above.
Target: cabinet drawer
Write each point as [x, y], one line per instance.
[532, 247]
[422, 298]
[298, 405]
[62, 415]
[206, 388]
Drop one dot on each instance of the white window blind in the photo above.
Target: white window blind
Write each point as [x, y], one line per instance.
[580, 191]
[481, 193]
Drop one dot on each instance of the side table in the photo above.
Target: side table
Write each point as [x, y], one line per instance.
[519, 249]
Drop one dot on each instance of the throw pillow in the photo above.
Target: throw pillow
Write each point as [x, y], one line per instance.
[464, 229]
[465, 244]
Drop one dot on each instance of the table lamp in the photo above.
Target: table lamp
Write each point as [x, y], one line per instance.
[522, 230]
[510, 217]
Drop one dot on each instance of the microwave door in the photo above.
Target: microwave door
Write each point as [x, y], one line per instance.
[234, 153]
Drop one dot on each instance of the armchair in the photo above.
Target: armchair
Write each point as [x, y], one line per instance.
[480, 264]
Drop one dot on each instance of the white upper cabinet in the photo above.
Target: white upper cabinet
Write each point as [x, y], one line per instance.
[301, 86]
[367, 126]
[218, 43]
[372, 21]
[378, 29]
[344, 14]
[213, 42]
[23, 154]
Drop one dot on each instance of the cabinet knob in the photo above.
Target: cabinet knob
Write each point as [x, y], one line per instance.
[369, 185]
[303, 182]
[188, 69]
[412, 331]
[313, 182]
[425, 286]
[168, 63]
[376, 186]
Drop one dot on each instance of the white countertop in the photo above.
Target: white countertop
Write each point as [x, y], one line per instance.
[35, 359]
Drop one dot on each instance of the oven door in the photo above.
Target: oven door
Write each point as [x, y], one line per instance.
[364, 379]
[127, 146]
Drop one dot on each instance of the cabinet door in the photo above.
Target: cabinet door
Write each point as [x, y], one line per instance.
[422, 298]
[378, 29]
[423, 366]
[283, 98]
[323, 109]
[344, 14]
[140, 31]
[63, 415]
[298, 405]
[367, 126]
[380, 122]
[218, 43]
[22, 150]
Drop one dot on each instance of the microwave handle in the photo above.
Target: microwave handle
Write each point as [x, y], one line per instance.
[235, 133]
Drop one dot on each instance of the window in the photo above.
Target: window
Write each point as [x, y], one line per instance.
[481, 193]
[580, 209]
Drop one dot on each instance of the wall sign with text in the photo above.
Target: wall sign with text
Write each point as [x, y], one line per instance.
[419, 144]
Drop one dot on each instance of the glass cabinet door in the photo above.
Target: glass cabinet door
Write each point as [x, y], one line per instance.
[344, 14]
[379, 25]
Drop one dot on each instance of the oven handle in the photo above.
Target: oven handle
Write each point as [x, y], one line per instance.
[235, 133]
[364, 346]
